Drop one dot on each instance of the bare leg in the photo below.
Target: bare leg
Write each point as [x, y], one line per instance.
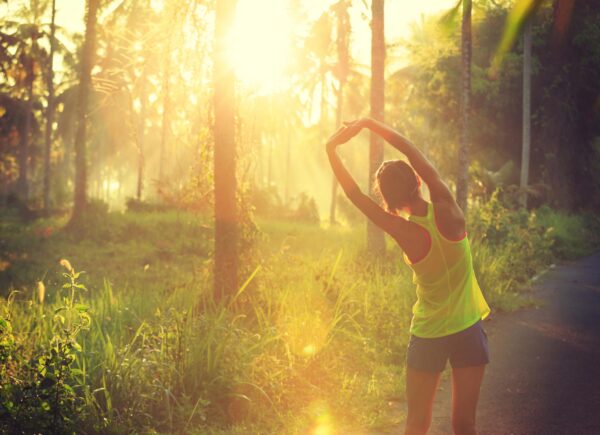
[420, 391]
[466, 383]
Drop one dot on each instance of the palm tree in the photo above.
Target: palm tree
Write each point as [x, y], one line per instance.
[49, 111]
[341, 70]
[313, 58]
[13, 120]
[87, 60]
[134, 78]
[462, 182]
[526, 112]
[24, 62]
[166, 95]
[142, 133]
[520, 18]
[226, 226]
[27, 53]
[20, 65]
[375, 239]
[29, 64]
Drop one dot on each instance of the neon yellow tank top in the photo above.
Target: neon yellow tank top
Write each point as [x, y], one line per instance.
[448, 296]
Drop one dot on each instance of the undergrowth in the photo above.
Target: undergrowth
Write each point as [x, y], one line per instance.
[314, 340]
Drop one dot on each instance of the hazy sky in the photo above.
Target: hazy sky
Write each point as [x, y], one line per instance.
[398, 16]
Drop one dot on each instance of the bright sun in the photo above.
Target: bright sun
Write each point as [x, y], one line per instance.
[260, 44]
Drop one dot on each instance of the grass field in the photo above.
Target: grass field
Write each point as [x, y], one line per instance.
[314, 340]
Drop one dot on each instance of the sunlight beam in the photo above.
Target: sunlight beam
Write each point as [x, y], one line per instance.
[260, 44]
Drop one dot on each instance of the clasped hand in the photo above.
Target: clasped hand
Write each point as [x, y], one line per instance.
[346, 132]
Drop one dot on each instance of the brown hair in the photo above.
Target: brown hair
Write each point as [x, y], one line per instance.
[397, 184]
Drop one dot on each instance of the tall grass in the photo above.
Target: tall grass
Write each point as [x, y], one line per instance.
[278, 350]
[313, 340]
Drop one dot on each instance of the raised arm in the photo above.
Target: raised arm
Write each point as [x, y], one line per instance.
[438, 190]
[391, 224]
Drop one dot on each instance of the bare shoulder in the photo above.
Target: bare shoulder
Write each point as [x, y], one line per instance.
[450, 219]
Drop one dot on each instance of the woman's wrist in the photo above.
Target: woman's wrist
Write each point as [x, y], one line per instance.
[366, 123]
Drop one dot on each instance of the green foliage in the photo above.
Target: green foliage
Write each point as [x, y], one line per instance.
[135, 249]
[138, 206]
[595, 165]
[511, 246]
[93, 217]
[316, 333]
[522, 11]
[574, 235]
[424, 99]
[267, 203]
[38, 382]
[306, 209]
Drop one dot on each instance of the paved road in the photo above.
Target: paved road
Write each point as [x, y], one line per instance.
[544, 377]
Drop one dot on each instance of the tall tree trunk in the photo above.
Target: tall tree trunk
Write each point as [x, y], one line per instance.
[80, 197]
[270, 164]
[375, 239]
[106, 188]
[49, 112]
[288, 166]
[561, 167]
[226, 225]
[342, 41]
[98, 163]
[323, 104]
[526, 111]
[23, 157]
[334, 182]
[141, 136]
[462, 182]
[166, 93]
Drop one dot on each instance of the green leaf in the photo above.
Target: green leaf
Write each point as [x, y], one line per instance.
[82, 308]
[246, 283]
[47, 383]
[86, 320]
[68, 388]
[449, 21]
[517, 17]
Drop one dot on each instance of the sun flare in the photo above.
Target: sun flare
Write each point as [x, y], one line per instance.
[260, 44]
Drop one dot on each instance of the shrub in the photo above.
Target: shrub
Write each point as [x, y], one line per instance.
[139, 206]
[312, 334]
[574, 235]
[306, 209]
[267, 203]
[38, 383]
[511, 246]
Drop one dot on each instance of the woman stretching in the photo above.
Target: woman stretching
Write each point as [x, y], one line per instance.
[446, 322]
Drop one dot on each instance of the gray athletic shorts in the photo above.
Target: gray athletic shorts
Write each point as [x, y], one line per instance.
[465, 348]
